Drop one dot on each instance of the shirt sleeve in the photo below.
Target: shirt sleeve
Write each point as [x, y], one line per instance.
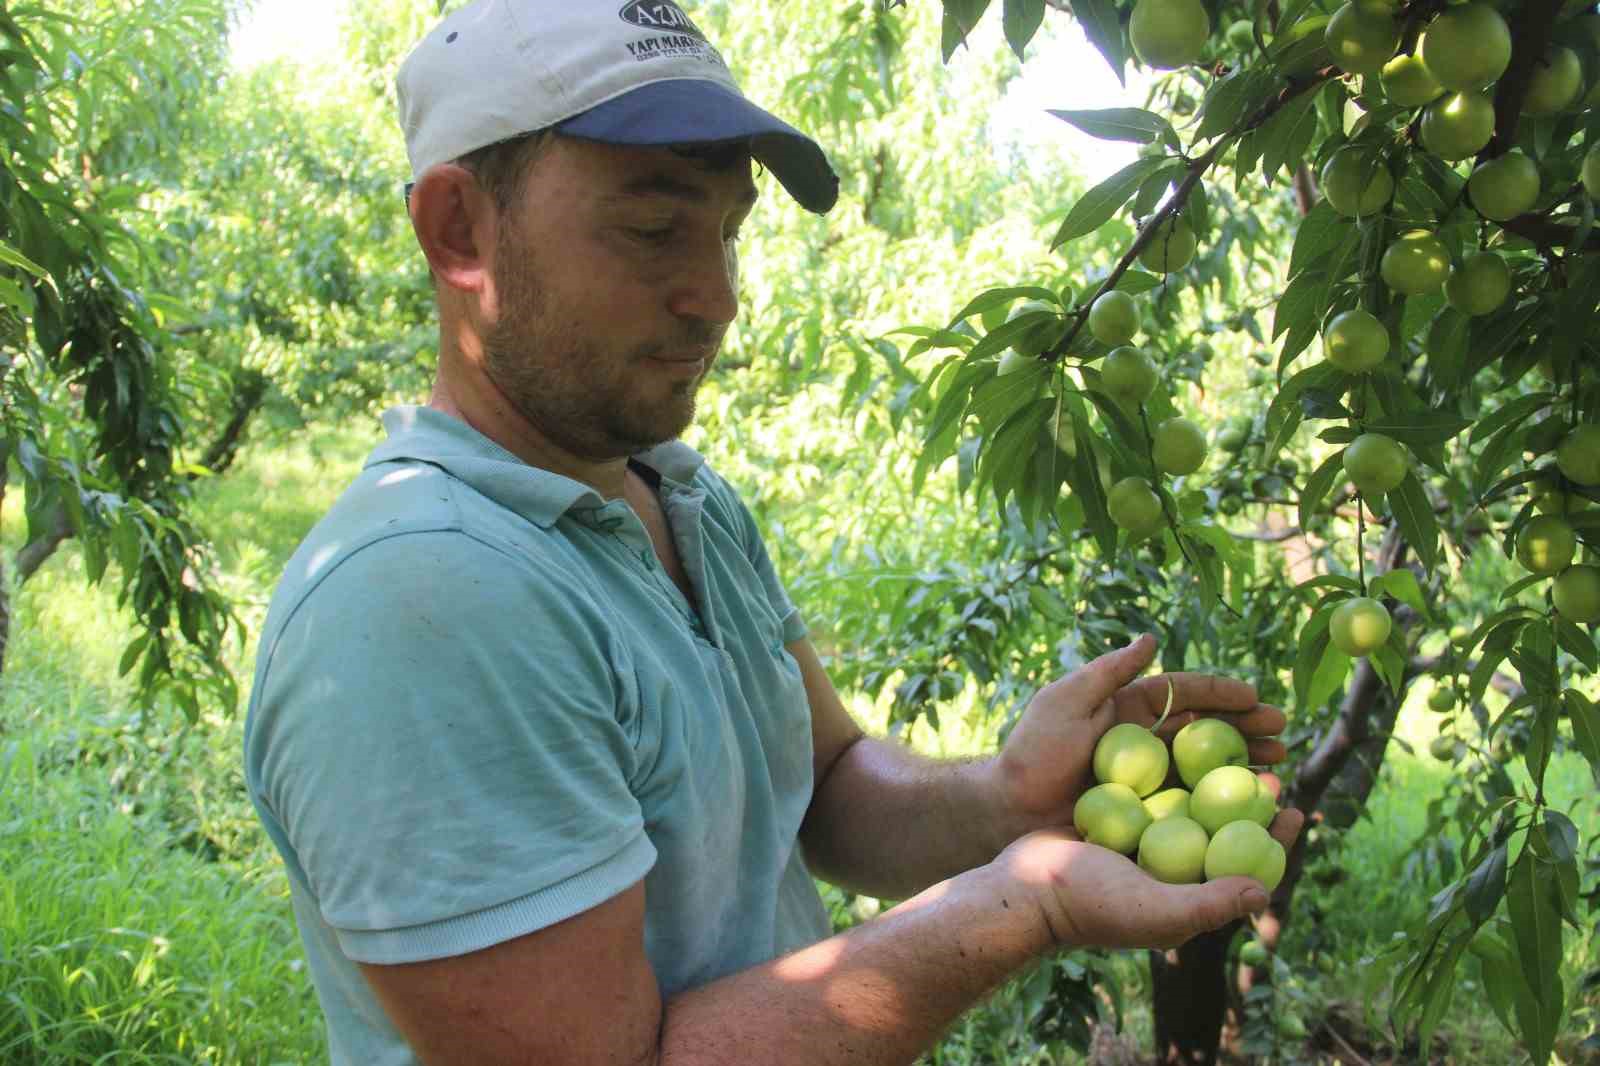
[448, 745]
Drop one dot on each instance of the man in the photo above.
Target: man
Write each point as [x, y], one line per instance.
[539, 734]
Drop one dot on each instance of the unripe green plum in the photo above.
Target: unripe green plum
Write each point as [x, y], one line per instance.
[1554, 83]
[1131, 755]
[1178, 446]
[1129, 375]
[1363, 36]
[1504, 187]
[1230, 794]
[1407, 82]
[1245, 849]
[1205, 744]
[1168, 803]
[1578, 455]
[1356, 183]
[1111, 816]
[1167, 34]
[1459, 125]
[1479, 284]
[1375, 463]
[1173, 850]
[1171, 247]
[1417, 263]
[1135, 507]
[1114, 318]
[1467, 47]
[1547, 544]
[1576, 594]
[1355, 341]
[1359, 626]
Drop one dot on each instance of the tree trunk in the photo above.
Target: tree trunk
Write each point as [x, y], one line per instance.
[250, 389]
[1191, 998]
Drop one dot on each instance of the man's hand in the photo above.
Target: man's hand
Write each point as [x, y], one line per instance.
[1046, 763]
[1089, 896]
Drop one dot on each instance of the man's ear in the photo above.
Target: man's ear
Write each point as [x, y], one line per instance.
[454, 220]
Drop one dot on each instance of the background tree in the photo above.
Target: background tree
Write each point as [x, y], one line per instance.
[94, 96]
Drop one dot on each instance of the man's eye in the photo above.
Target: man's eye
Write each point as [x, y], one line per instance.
[652, 236]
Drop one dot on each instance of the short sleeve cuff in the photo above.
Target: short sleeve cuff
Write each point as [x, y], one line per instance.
[495, 925]
[794, 627]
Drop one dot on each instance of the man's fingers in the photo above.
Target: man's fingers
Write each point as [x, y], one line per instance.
[1202, 908]
[1090, 686]
[1257, 720]
[1190, 692]
[1286, 826]
[1266, 752]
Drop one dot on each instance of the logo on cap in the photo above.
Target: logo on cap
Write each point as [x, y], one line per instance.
[659, 15]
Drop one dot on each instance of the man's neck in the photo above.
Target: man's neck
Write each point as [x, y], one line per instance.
[489, 412]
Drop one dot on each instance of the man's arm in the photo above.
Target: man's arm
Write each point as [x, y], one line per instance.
[581, 993]
[884, 819]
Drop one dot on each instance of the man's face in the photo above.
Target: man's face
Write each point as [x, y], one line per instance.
[615, 279]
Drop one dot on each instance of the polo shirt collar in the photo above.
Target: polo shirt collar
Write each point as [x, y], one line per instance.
[424, 434]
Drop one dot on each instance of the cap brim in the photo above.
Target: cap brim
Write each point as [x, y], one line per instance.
[691, 111]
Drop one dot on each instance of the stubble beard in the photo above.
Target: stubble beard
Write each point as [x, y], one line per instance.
[572, 391]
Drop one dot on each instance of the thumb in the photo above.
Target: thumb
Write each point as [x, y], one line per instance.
[1214, 904]
[1090, 686]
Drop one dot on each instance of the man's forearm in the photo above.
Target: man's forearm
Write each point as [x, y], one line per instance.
[889, 821]
[878, 995]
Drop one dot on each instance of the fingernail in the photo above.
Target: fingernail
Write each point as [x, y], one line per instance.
[1254, 900]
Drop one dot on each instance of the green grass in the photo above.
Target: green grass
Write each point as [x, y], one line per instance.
[144, 915]
[117, 947]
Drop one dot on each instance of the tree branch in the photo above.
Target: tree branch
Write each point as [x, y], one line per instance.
[33, 555]
[1531, 25]
[1180, 197]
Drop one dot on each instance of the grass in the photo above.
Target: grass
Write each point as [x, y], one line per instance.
[144, 915]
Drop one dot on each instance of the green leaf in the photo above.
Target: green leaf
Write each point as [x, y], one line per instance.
[1533, 900]
[1403, 586]
[1318, 485]
[1496, 647]
[1103, 201]
[996, 297]
[1487, 885]
[1232, 98]
[960, 18]
[1323, 233]
[1102, 25]
[1421, 428]
[1411, 508]
[1121, 124]
[1513, 413]
[1577, 642]
[1022, 20]
[1288, 135]
[1284, 414]
[1585, 719]
[9, 256]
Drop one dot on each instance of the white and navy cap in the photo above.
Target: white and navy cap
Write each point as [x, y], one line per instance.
[638, 73]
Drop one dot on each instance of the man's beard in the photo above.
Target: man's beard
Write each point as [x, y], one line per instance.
[572, 391]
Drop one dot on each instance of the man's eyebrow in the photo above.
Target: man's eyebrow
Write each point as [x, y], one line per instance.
[666, 185]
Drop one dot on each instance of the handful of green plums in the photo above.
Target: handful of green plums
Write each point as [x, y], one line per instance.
[1215, 826]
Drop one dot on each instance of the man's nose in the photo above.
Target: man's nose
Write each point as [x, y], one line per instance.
[709, 287]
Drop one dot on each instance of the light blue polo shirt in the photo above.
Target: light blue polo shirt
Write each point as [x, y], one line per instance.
[482, 707]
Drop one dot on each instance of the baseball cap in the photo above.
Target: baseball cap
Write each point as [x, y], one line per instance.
[634, 73]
